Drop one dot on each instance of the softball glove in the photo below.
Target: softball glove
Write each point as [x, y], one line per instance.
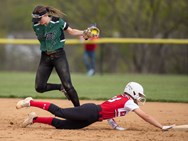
[91, 32]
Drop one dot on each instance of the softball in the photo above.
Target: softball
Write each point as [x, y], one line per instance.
[94, 32]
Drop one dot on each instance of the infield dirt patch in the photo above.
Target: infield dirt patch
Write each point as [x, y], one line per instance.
[138, 130]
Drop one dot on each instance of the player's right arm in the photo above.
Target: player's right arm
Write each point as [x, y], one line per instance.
[151, 120]
[148, 118]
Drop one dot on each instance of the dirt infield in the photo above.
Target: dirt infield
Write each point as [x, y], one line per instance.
[138, 130]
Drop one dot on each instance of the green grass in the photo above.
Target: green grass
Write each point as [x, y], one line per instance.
[166, 88]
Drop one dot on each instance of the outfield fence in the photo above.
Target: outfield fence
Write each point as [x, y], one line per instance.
[102, 41]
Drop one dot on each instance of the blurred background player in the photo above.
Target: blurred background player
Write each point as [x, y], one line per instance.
[86, 114]
[89, 56]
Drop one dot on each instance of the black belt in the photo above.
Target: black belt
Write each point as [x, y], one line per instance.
[53, 52]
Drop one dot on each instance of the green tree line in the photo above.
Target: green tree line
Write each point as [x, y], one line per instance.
[116, 18]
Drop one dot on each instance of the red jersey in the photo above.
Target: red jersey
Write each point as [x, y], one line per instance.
[91, 47]
[119, 105]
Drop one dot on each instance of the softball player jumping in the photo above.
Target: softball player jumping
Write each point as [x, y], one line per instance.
[49, 28]
[86, 114]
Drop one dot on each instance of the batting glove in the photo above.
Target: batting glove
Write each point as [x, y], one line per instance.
[114, 125]
[166, 128]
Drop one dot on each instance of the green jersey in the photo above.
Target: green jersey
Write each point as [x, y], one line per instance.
[51, 36]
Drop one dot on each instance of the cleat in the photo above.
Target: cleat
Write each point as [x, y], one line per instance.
[29, 119]
[91, 72]
[24, 103]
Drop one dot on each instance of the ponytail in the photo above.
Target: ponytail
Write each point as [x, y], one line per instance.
[54, 12]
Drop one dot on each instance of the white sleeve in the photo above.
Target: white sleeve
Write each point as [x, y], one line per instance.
[130, 105]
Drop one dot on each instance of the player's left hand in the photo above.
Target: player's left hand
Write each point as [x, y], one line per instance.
[119, 128]
[114, 125]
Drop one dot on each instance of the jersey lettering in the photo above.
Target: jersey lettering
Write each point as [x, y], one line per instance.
[114, 99]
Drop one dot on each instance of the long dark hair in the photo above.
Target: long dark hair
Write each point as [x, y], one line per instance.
[49, 10]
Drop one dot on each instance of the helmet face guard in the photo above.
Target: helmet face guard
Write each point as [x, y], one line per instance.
[141, 100]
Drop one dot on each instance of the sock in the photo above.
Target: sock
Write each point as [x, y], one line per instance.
[44, 120]
[40, 104]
